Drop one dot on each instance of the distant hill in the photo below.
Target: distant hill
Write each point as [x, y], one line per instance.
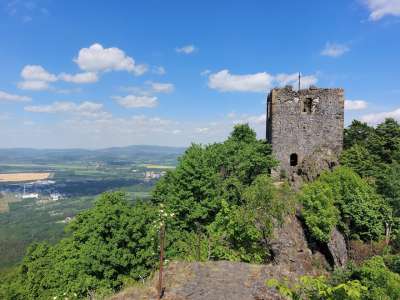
[129, 153]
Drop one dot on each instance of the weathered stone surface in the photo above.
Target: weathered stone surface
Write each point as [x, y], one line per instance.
[302, 122]
[338, 249]
[215, 280]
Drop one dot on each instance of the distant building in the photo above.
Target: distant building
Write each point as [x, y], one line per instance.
[30, 196]
[149, 175]
[305, 129]
[55, 197]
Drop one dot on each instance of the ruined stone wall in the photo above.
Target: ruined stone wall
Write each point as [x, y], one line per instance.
[308, 123]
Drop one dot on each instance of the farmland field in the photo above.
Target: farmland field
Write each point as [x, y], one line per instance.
[21, 177]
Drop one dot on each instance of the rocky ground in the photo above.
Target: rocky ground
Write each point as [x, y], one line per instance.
[222, 280]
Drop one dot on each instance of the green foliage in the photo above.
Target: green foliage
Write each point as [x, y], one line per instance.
[357, 133]
[343, 198]
[191, 190]
[388, 185]
[319, 211]
[372, 280]
[374, 153]
[318, 288]
[363, 212]
[381, 282]
[359, 159]
[106, 244]
[240, 232]
[213, 193]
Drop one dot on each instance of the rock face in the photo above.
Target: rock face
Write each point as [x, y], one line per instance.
[337, 248]
[301, 122]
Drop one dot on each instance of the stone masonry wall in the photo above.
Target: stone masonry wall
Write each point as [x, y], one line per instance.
[304, 122]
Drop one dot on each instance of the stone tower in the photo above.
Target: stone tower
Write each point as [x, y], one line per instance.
[305, 129]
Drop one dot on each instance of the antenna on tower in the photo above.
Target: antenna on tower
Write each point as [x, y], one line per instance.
[299, 80]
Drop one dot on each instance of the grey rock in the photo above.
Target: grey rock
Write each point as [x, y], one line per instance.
[338, 249]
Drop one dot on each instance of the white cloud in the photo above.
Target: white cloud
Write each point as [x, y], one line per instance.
[87, 77]
[36, 78]
[188, 49]
[13, 98]
[96, 59]
[33, 85]
[355, 104]
[376, 118]
[334, 49]
[134, 101]
[37, 73]
[159, 70]
[158, 87]
[224, 81]
[381, 8]
[85, 109]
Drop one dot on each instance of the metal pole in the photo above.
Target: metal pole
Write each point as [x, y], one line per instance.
[299, 80]
[160, 274]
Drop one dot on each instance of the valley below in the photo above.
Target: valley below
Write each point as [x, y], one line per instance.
[41, 191]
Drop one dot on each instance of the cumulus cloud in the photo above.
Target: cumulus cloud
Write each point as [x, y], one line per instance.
[87, 77]
[135, 101]
[224, 81]
[33, 85]
[334, 49]
[37, 78]
[376, 118]
[381, 8]
[37, 73]
[84, 109]
[6, 97]
[96, 58]
[355, 104]
[227, 82]
[188, 49]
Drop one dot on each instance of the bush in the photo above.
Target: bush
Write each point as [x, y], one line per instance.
[319, 211]
[343, 198]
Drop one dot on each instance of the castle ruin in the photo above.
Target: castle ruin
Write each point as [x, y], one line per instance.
[305, 129]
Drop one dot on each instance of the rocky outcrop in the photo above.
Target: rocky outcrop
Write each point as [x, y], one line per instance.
[321, 160]
[216, 280]
[338, 249]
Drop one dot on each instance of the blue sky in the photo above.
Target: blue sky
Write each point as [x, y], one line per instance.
[112, 73]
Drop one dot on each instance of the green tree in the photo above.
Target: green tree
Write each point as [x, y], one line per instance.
[357, 133]
[207, 174]
[359, 159]
[243, 232]
[107, 243]
[319, 211]
[363, 213]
